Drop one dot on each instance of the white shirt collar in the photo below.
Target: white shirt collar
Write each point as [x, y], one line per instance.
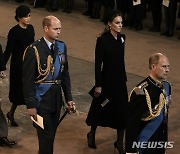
[48, 43]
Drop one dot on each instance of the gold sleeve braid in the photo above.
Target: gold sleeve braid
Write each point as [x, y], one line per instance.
[42, 72]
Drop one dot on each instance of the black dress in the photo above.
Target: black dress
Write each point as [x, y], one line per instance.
[111, 76]
[18, 40]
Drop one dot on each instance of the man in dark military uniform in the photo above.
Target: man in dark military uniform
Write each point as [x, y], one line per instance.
[45, 71]
[3, 123]
[146, 122]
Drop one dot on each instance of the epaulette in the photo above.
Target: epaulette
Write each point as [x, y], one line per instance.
[139, 90]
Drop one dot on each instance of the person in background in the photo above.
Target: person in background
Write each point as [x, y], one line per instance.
[53, 5]
[4, 141]
[45, 79]
[156, 9]
[147, 114]
[19, 37]
[110, 83]
[170, 18]
[68, 6]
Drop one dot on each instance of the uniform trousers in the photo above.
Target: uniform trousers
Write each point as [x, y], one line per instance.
[46, 136]
[3, 124]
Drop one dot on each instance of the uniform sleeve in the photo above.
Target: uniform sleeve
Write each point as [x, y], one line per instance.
[65, 79]
[99, 54]
[29, 69]
[135, 110]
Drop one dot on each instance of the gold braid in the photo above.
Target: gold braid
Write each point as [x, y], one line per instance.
[43, 72]
[153, 114]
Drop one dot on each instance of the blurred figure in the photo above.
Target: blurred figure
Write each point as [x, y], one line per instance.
[4, 141]
[53, 5]
[156, 8]
[170, 18]
[68, 6]
[19, 37]
[137, 14]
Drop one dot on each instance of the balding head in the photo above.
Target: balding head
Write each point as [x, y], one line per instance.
[48, 19]
[154, 59]
[159, 66]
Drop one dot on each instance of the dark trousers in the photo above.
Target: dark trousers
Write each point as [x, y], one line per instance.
[3, 125]
[170, 15]
[156, 8]
[46, 136]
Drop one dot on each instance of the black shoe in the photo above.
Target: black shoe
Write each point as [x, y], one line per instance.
[120, 149]
[165, 33]
[179, 37]
[138, 28]
[68, 11]
[5, 142]
[178, 28]
[154, 29]
[19, 1]
[91, 140]
[50, 9]
[86, 13]
[11, 120]
[170, 34]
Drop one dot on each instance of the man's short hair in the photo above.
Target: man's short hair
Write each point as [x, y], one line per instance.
[154, 59]
[46, 22]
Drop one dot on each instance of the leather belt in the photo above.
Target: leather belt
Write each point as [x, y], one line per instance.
[51, 82]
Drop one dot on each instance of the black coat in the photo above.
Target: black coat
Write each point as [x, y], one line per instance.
[111, 76]
[52, 100]
[137, 107]
[18, 40]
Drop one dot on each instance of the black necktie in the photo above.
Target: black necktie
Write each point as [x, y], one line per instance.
[52, 48]
[52, 51]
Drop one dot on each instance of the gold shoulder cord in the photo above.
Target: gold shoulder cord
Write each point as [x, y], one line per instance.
[153, 114]
[42, 72]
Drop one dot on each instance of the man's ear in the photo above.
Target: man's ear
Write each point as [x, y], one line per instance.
[45, 28]
[153, 66]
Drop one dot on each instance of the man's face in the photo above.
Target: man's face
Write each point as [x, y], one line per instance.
[52, 32]
[161, 69]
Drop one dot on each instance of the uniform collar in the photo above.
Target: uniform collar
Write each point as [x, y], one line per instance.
[155, 81]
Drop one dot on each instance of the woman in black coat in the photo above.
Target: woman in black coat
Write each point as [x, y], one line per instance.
[110, 83]
[19, 37]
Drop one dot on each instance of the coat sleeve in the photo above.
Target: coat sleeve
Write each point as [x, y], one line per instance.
[10, 45]
[29, 69]
[99, 54]
[65, 79]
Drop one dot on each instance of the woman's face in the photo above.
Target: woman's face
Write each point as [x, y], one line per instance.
[116, 25]
[25, 20]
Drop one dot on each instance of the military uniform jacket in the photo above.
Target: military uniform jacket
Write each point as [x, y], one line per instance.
[137, 107]
[52, 99]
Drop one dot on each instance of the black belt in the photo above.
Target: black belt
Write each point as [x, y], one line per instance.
[51, 82]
